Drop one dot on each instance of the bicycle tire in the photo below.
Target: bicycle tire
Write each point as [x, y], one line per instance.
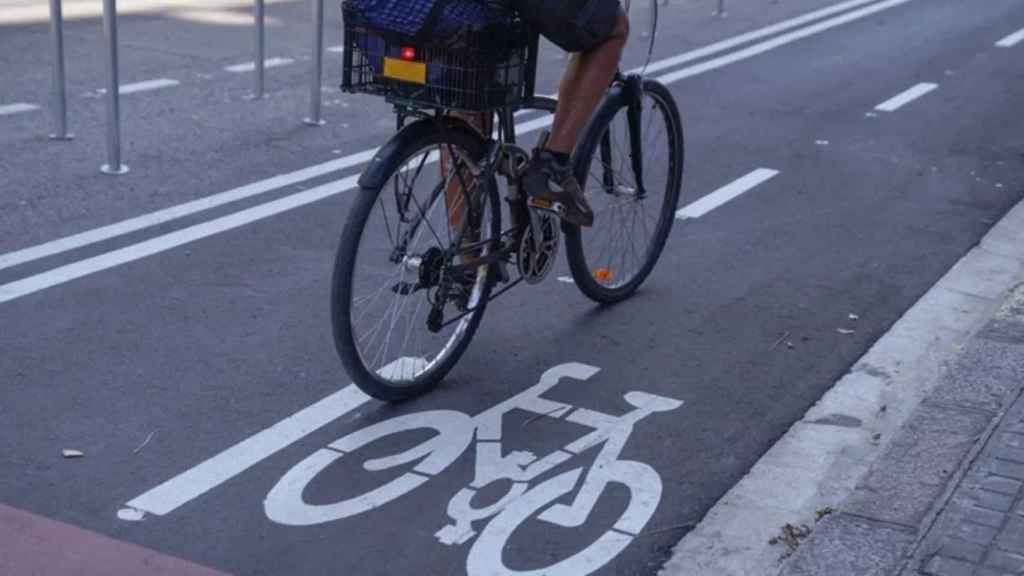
[413, 140]
[617, 102]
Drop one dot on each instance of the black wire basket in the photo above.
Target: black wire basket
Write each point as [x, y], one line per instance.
[473, 70]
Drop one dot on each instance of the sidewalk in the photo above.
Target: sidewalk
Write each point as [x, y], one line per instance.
[946, 497]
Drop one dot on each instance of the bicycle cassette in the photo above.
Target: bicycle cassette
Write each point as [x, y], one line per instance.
[538, 247]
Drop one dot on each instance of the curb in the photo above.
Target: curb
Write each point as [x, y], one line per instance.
[868, 439]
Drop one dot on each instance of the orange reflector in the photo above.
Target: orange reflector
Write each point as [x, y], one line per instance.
[603, 274]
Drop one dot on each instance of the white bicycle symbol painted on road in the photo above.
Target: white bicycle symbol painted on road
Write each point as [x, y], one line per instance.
[455, 432]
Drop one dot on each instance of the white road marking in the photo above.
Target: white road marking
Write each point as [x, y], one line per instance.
[725, 194]
[906, 97]
[96, 235]
[143, 86]
[195, 482]
[777, 42]
[17, 108]
[566, 279]
[174, 212]
[171, 240]
[251, 66]
[749, 36]
[336, 49]
[1011, 40]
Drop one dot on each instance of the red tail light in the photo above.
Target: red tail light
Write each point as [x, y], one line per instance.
[408, 53]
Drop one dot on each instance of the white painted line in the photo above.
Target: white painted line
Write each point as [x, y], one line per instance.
[180, 211]
[195, 482]
[171, 240]
[171, 213]
[726, 193]
[17, 108]
[750, 36]
[147, 85]
[1011, 40]
[566, 279]
[906, 97]
[777, 42]
[251, 66]
[336, 49]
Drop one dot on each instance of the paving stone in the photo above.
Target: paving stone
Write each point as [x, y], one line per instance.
[918, 465]
[1007, 453]
[942, 566]
[843, 545]
[1001, 485]
[1012, 537]
[963, 550]
[1006, 468]
[984, 376]
[992, 500]
[976, 533]
[984, 571]
[985, 517]
[1006, 562]
[1012, 440]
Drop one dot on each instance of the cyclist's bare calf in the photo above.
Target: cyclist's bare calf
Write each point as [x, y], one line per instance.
[585, 80]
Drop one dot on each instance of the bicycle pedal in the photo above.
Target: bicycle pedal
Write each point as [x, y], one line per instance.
[546, 205]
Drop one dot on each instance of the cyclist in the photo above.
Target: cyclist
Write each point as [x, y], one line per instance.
[594, 33]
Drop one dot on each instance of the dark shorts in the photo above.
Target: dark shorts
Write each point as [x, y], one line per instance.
[573, 25]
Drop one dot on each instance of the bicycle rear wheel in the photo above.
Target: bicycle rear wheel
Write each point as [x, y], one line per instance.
[406, 297]
[610, 260]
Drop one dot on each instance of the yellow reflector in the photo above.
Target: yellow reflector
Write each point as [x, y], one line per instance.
[415, 72]
[603, 274]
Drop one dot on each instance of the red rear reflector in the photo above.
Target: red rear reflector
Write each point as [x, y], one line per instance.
[408, 53]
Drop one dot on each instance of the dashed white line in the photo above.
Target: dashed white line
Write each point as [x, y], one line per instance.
[17, 108]
[726, 193]
[1011, 40]
[251, 66]
[906, 97]
[144, 86]
[336, 49]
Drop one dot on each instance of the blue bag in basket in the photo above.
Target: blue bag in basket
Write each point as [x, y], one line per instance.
[422, 20]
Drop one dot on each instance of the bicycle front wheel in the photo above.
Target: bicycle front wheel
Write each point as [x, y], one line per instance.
[407, 296]
[610, 260]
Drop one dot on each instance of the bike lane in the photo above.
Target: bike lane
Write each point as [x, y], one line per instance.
[205, 346]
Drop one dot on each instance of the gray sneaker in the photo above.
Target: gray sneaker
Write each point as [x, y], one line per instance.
[550, 185]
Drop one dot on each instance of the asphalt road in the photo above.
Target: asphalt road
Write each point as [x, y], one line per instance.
[189, 356]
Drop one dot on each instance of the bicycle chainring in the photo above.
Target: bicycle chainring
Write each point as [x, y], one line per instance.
[536, 257]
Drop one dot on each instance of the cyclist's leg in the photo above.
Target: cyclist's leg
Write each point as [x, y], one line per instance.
[460, 186]
[583, 84]
[597, 44]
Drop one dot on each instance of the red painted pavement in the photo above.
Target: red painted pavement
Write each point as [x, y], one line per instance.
[31, 545]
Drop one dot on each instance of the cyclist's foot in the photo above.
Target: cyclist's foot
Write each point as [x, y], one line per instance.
[550, 185]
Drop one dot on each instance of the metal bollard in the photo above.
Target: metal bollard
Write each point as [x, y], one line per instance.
[317, 72]
[113, 165]
[259, 13]
[59, 101]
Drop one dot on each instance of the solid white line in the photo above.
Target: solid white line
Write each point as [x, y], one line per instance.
[336, 49]
[165, 242]
[96, 235]
[147, 85]
[726, 193]
[1011, 40]
[251, 66]
[906, 97]
[17, 108]
[749, 36]
[180, 211]
[195, 482]
[763, 47]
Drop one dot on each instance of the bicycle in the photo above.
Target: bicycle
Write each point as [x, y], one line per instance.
[409, 289]
[501, 515]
